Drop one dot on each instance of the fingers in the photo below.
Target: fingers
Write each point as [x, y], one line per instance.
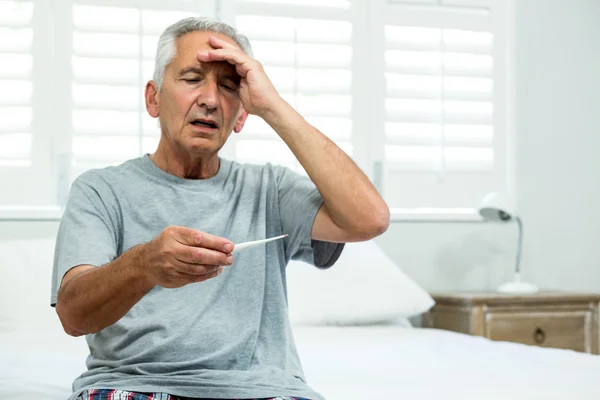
[210, 275]
[181, 255]
[234, 56]
[221, 44]
[183, 279]
[193, 271]
[225, 51]
[192, 237]
[198, 255]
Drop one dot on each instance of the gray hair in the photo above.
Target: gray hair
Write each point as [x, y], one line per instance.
[165, 51]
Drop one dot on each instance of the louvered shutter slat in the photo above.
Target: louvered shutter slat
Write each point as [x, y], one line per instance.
[16, 86]
[440, 113]
[432, 90]
[309, 61]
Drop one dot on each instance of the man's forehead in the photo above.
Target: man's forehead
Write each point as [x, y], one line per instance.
[198, 41]
[189, 45]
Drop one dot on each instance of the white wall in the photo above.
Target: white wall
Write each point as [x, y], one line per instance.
[558, 56]
[558, 166]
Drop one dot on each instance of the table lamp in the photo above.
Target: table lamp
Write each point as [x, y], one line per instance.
[498, 208]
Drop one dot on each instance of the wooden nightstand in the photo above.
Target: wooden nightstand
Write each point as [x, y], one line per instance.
[547, 319]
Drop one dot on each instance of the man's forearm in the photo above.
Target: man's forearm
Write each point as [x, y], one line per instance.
[99, 297]
[351, 199]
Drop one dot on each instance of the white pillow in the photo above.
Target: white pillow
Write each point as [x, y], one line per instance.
[25, 278]
[364, 287]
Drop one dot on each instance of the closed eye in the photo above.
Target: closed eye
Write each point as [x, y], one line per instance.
[230, 87]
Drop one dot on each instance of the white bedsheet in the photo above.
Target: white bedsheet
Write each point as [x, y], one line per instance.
[351, 363]
[394, 363]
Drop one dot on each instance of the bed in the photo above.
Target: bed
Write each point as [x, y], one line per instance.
[402, 363]
[350, 363]
[352, 334]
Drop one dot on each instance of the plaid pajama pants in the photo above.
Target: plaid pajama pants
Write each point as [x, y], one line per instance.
[111, 394]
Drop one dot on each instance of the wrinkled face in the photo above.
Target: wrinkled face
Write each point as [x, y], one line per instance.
[199, 103]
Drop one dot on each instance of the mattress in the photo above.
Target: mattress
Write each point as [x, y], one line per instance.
[344, 363]
[400, 363]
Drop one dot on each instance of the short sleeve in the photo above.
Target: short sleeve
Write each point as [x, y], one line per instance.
[299, 202]
[87, 233]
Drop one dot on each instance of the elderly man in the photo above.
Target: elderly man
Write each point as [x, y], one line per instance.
[144, 265]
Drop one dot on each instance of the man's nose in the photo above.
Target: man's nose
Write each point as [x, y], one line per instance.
[208, 96]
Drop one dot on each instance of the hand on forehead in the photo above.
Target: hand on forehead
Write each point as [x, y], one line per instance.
[216, 42]
[193, 44]
[224, 50]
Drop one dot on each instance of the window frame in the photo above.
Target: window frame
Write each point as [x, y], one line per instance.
[54, 149]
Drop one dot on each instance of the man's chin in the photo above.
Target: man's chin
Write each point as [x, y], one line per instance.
[202, 145]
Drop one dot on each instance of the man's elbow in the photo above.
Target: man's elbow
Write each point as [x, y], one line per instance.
[68, 326]
[376, 223]
[72, 331]
[380, 221]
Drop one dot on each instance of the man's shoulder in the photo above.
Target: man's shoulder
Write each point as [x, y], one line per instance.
[259, 170]
[106, 176]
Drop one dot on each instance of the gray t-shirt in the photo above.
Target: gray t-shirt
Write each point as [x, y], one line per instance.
[228, 337]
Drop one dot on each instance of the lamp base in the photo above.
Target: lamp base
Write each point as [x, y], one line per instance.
[517, 286]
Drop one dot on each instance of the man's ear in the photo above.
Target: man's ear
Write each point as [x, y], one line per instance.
[239, 124]
[152, 98]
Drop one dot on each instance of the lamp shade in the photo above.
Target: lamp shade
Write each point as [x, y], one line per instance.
[497, 207]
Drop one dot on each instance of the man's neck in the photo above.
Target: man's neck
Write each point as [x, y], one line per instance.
[186, 165]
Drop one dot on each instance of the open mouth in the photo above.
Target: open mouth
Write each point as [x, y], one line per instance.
[205, 123]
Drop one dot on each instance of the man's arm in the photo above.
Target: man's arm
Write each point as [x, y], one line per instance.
[352, 209]
[92, 298]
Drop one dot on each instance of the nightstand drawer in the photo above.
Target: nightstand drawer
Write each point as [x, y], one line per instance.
[565, 330]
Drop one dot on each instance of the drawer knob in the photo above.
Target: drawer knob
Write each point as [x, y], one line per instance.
[539, 336]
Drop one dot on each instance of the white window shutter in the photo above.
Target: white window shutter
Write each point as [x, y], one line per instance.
[16, 104]
[442, 149]
[16, 83]
[305, 48]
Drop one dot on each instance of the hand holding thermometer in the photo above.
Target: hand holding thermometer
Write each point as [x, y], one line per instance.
[245, 245]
